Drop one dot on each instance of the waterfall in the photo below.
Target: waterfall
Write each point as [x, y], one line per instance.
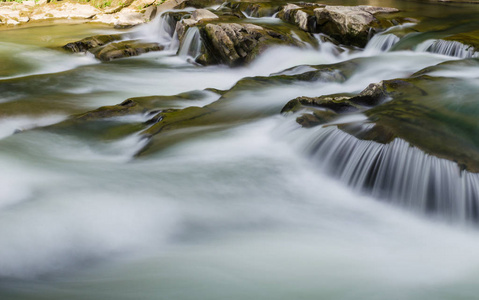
[397, 172]
[161, 30]
[191, 44]
[381, 43]
[449, 48]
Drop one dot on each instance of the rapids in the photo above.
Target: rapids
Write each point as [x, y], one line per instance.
[258, 208]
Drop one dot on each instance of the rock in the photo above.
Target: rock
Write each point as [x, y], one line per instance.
[195, 17]
[420, 110]
[127, 107]
[92, 42]
[64, 11]
[302, 16]
[198, 3]
[350, 25]
[259, 9]
[124, 49]
[338, 103]
[105, 49]
[316, 117]
[237, 44]
[128, 16]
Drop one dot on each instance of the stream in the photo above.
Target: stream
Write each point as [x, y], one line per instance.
[254, 208]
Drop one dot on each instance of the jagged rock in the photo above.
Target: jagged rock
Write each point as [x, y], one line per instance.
[236, 44]
[91, 42]
[350, 25]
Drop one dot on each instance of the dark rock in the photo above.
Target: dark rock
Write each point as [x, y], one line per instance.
[124, 49]
[92, 42]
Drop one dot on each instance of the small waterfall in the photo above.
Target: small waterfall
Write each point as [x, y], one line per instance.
[449, 48]
[381, 43]
[160, 30]
[326, 45]
[191, 44]
[398, 173]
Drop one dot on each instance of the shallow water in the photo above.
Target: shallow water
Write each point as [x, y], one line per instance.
[242, 211]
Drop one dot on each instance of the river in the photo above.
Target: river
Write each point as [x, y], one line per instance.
[235, 211]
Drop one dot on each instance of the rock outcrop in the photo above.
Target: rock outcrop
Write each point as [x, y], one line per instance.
[105, 48]
[402, 108]
[350, 25]
[236, 44]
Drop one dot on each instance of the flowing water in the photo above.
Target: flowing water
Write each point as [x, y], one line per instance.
[258, 208]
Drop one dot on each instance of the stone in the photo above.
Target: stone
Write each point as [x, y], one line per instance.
[238, 44]
[91, 42]
[124, 49]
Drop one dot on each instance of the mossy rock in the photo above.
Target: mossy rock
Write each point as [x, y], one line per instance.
[435, 114]
[91, 42]
[124, 49]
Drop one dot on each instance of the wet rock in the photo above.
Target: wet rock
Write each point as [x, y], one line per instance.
[104, 48]
[193, 19]
[124, 49]
[198, 3]
[302, 16]
[421, 110]
[338, 103]
[91, 42]
[237, 44]
[128, 107]
[260, 9]
[316, 117]
[350, 25]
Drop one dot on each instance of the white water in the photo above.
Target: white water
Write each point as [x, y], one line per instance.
[234, 214]
[191, 45]
[396, 172]
[449, 48]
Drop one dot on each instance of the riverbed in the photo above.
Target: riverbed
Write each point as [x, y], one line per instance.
[237, 210]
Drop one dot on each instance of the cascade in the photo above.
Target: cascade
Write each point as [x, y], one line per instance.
[449, 48]
[191, 44]
[381, 43]
[397, 173]
[162, 30]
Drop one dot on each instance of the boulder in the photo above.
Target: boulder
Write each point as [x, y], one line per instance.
[124, 49]
[350, 25]
[237, 44]
[91, 42]
[105, 48]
